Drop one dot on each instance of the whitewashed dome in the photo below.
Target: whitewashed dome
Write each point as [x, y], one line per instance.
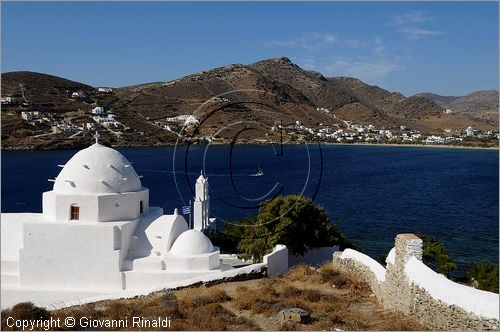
[192, 242]
[97, 170]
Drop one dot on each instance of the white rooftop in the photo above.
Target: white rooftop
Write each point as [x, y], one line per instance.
[192, 242]
[97, 170]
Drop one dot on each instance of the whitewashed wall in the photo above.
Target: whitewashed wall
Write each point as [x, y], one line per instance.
[277, 260]
[12, 233]
[121, 207]
[441, 288]
[77, 255]
[409, 286]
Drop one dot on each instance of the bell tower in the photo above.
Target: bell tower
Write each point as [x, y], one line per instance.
[201, 206]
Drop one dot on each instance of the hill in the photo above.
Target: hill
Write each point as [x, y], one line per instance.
[266, 92]
[479, 104]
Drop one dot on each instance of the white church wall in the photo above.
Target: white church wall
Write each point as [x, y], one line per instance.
[120, 207]
[70, 255]
[178, 227]
[277, 260]
[201, 262]
[49, 205]
[152, 239]
[198, 213]
[156, 232]
[12, 233]
[62, 206]
[163, 231]
[201, 205]
[125, 233]
[60, 298]
[137, 279]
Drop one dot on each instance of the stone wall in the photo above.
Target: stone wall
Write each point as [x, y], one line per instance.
[442, 316]
[352, 266]
[414, 289]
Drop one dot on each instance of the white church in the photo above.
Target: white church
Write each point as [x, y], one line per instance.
[97, 234]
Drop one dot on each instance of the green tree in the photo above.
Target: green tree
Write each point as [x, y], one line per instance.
[483, 275]
[436, 256]
[294, 221]
[230, 235]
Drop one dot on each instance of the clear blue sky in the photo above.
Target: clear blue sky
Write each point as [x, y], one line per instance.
[446, 48]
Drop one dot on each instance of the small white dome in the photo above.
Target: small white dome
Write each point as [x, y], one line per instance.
[97, 170]
[192, 242]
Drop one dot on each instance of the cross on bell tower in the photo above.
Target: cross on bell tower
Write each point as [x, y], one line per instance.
[96, 136]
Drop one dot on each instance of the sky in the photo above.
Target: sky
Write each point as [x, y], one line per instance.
[448, 48]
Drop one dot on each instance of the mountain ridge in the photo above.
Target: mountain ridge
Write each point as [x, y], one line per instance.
[477, 101]
[293, 92]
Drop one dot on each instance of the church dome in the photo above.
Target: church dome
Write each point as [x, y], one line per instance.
[97, 170]
[192, 242]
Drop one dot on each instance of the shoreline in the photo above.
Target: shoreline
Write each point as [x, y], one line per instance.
[439, 146]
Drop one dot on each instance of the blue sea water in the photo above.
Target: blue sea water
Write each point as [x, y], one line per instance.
[375, 191]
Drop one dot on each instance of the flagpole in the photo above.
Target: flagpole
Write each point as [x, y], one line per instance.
[190, 219]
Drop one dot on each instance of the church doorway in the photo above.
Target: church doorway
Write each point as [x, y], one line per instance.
[75, 212]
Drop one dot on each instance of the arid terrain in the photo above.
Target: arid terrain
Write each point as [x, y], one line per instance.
[332, 300]
[268, 93]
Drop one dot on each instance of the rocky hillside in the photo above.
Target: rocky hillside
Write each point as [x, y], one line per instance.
[481, 104]
[479, 101]
[266, 92]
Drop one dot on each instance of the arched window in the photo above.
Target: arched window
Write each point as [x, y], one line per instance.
[74, 212]
[141, 207]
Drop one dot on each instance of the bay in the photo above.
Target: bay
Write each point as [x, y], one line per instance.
[375, 191]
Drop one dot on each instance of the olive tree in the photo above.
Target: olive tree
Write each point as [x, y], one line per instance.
[294, 221]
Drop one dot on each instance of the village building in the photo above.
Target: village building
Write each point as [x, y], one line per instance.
[98, 110]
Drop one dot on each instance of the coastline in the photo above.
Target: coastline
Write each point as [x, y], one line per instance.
[440, 146]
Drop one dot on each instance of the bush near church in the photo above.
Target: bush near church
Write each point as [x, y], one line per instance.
[293, 220]
[483, 275]
[436, 256]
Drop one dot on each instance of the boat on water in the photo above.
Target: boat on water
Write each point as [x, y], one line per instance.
[259, 173]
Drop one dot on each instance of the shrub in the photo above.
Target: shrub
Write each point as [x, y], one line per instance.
[24, 311]
[28, 310]
[483, 275]
[294, 221]
[436, 256]
[228, 238]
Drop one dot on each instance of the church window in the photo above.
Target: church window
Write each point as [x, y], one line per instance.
[75, 212]
[141, 207]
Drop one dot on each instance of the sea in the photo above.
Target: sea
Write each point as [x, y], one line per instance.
[373, 192]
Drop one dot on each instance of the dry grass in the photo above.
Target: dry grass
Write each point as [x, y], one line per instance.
[333, 300]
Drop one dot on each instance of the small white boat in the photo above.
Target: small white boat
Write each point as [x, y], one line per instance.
[259, 173]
